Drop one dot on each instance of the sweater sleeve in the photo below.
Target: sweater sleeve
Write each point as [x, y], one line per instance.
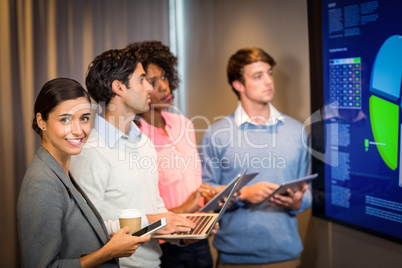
[210, 159]
[304, 169]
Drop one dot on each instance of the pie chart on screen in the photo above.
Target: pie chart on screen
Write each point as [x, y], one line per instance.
[385, 100]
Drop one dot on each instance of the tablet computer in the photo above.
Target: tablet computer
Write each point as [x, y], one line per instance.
[293, 184]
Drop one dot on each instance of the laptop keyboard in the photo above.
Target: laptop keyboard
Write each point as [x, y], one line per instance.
[200, 222]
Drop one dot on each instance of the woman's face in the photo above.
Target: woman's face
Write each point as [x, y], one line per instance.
[67, 128]
[160, 95]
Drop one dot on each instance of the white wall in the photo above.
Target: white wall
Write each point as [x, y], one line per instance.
[216, 29]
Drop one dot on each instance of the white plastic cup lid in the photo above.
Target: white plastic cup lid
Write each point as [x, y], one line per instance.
[130, 213]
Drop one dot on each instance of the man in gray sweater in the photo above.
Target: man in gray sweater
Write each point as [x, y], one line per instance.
[117, 166]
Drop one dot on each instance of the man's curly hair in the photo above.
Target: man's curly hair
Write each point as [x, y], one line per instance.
[113, 64]
[157, 53]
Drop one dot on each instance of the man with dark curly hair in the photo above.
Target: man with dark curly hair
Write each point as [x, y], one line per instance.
[109, 167]
[179, 168]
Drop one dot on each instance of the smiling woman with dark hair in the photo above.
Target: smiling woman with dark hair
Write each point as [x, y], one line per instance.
[57, 223]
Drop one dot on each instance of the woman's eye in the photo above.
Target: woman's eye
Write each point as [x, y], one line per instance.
[151, 82]
[85, 119]
[65, 120]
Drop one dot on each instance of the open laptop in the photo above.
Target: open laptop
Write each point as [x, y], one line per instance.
[205, 222]
[242, 179]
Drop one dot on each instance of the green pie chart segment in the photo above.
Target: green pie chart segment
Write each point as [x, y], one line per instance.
[384, 117]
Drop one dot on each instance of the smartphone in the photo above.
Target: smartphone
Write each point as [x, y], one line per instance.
[153, 227]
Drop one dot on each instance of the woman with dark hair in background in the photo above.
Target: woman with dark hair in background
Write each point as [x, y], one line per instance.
[179, 168]
[57, 223]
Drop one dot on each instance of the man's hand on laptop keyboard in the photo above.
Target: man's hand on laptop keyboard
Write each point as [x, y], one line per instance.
[175, 223]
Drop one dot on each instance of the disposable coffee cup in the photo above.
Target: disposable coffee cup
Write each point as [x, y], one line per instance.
[130, 218]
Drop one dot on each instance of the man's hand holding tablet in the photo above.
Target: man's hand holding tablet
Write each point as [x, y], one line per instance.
[290, 193]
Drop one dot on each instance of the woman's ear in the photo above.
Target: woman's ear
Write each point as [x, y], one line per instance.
[117, 87]
[238, 86]
[41, 123]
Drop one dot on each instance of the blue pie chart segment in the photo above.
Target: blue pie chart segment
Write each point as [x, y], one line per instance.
[387, 69]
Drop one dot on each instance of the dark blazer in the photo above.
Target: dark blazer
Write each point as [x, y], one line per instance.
[56, 224]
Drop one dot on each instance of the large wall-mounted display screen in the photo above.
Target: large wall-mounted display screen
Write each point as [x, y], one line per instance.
[356, 74]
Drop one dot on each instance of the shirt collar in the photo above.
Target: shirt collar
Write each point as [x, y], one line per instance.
[111, 134]
[166, 117]
[242, 117]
